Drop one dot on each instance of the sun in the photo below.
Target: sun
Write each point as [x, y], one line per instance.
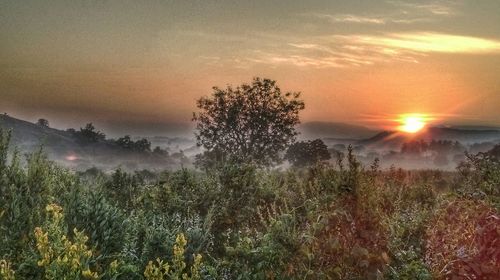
[412, 123]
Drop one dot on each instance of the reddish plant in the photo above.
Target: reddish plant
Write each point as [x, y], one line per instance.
[464, 241]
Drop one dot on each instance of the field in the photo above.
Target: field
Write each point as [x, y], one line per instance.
[239, 221]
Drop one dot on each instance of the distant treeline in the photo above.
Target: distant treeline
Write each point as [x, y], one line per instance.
[89, 134]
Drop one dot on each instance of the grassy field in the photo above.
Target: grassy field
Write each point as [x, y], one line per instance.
[342, 221]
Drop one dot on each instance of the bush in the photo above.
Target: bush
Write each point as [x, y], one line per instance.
[464, 240]
[340, 221]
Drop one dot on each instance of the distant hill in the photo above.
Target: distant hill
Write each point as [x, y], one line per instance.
[474, 127]
[335, 130]
[394, 139]
[27, 136]
[63, 147]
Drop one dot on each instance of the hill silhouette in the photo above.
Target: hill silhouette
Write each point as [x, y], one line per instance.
[64, 147]
[394, 139]
[335, 130]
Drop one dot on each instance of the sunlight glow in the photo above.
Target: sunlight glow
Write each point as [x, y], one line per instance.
[71, 158]
[412, 123]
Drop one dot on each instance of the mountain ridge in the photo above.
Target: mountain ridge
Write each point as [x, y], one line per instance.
[391, 139]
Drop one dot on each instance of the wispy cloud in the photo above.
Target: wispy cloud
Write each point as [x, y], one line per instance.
[338, 51]
[401, 13]
[365, 19]
[426, 42]
[346, 50]
[440, 8]
[351, 18]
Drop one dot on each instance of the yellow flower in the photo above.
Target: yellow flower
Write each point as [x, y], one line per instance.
[113, 265]
[88, 254]
[181, 240]
[88, 274]
[6, 273]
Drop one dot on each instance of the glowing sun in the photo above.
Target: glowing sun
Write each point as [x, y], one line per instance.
[412, 123]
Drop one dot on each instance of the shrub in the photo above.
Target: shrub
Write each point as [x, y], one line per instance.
[308, 153]
[6, 272]
[60, 257]
[464, 240]
[177, 268]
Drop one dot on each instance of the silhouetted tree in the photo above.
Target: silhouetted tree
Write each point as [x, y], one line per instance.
[89, 134]
[43, 122]
[142, 145]
[125, 142]
[307, 153]
[159, 151]
[250, 123]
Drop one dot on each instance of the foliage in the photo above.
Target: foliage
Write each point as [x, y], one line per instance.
[177, 269]
[124, 187]
[480, 178]
[104, 223]
[250, 123]
[60, 257]
[6, 272]
[464, 241]
[89, 134]
[43, 122]
[159, 151]
[326, 221]
[141, 145]
[307, 153]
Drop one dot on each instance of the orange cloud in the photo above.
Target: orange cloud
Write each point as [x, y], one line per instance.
[430, 42]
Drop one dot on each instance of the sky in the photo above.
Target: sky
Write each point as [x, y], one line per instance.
[139, 66]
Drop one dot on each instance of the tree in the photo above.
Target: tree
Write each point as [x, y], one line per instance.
[125, 142]
[89, 134]
[159, 151]
[43, 122]
[250, 123]
[142, 145]
[307, 153]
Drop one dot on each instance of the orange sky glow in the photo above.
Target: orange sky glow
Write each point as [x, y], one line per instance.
[130, 64]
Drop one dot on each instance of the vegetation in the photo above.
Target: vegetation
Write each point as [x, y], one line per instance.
[242, 222]
[141, 145]
[251, 123]
[307, 153]
[238, 220]
[89, 134]
[43, 122]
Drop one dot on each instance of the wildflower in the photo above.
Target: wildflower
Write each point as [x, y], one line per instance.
[88, 274]
[113, 266]
[5, 271]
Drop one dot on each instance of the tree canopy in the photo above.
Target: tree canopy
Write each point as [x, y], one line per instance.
[141, 145]
[250, 123]
[43, 122]
[306, 153]
[89, 134]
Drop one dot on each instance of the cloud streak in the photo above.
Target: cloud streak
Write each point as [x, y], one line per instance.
[400, 13]
[440, 8]
[426, 42]
[363, 47]
[373, 19]
[351, 18]
[340, 51]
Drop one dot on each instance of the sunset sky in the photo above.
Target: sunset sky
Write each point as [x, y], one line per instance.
[142, 64]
